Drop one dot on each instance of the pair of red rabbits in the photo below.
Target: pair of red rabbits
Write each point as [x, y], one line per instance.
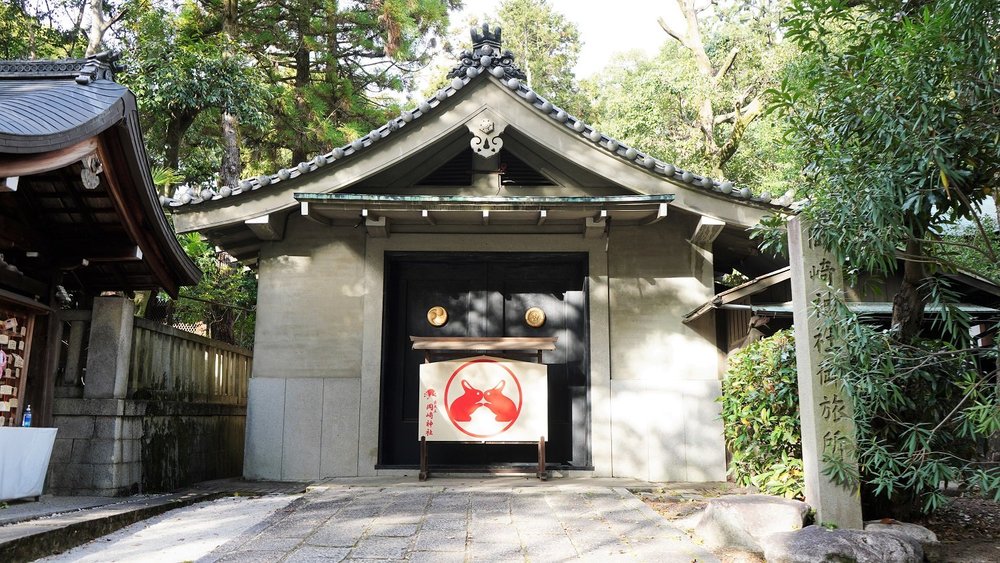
[461, 409]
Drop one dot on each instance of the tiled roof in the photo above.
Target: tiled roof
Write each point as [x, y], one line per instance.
[485, 60]
[45, 105]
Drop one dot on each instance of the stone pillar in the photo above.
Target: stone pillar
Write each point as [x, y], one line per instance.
[98, 447]
[110, 348]
[826, 413]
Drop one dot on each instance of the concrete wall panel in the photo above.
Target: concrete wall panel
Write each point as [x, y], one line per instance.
[310, 303]
[703, 431]
[667, 431]
[265, 428]
[656, 278]
[303, 430]
[341, 406]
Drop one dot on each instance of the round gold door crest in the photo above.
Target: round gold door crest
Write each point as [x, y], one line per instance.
[535, 317]
[437, 316]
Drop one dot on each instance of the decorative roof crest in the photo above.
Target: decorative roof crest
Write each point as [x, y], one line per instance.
[486, 57]
[486, 37]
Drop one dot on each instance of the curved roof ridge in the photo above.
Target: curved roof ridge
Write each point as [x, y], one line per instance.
[484, 60]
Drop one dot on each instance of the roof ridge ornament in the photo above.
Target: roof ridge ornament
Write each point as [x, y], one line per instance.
[101, 66]
[486, 37]
[98, 66]
[486, 56]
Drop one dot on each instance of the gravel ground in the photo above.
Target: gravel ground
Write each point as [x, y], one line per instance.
[184, 534]
[969, 530]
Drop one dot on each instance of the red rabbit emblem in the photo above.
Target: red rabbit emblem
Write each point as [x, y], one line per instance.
[461, 409]
[501, 405]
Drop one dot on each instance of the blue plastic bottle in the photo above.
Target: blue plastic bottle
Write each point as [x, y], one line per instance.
[27, 417]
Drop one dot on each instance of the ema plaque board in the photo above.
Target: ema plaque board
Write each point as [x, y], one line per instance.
[483, 399]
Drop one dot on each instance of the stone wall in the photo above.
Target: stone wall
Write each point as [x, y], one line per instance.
[113, 447]
[158, 409]
[98, 447]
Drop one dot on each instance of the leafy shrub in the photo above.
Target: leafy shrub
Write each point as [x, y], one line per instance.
[760, 410]
[922, 410]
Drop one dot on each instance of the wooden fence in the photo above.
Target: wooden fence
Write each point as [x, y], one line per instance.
[169, 363]
[166, 363]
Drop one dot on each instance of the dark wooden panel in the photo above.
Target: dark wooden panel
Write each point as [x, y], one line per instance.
[486, 295]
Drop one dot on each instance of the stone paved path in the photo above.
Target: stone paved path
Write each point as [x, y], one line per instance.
[464, 524]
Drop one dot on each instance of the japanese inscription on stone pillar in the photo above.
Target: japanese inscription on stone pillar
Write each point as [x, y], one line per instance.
[826, 413]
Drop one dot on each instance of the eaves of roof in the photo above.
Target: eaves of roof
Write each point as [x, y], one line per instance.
[484, 64]
[49, 105]
[46, 106]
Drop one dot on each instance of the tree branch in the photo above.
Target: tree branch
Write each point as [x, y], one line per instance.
[726, 64]
[753, 110]
[679, 36]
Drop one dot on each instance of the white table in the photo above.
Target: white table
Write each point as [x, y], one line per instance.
[24, 460]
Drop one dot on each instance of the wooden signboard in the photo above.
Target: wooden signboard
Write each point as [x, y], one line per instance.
[483, 399]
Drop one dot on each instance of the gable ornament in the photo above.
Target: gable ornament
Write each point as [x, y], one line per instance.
[91, 168]
[484, 142]
[486, 128]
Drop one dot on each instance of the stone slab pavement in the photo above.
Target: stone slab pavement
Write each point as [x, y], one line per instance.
[463, 523]
[29, 530]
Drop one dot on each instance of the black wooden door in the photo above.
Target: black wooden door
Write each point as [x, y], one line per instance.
[486, 294]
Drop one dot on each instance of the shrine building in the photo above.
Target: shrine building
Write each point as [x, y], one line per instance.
[485, 212]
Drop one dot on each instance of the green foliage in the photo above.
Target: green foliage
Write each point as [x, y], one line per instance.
[178, 66]
[922, 411]
[896, 109]
[226, 297]
[299, 77]
[760, 410]
[164, 178]
[655, 102]
[26, 35]
[969, 248]
[329, 64]
[546, 46]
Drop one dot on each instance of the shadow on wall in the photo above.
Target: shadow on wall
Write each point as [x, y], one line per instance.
[187, 443]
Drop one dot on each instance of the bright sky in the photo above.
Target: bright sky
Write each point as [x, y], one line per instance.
[607, 28]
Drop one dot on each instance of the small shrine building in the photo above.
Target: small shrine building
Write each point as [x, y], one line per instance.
[484, 202]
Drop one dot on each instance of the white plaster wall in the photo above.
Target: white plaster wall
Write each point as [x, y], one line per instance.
[665, 420]
[310, 301]
[305, 390]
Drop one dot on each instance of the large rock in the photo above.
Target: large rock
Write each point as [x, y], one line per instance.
[815, 544]
[739, 521]
[915, 531]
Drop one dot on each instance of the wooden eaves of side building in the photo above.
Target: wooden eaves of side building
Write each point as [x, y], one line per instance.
[79, 214]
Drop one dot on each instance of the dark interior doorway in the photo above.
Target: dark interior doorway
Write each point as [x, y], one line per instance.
[486, 294]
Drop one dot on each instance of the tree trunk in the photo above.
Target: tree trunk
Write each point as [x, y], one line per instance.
[718, 151]
[99, 24]
[222, 326]
[231, 167]
[302, 73]
[176, 128]
[996, 206]
[908, 304]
